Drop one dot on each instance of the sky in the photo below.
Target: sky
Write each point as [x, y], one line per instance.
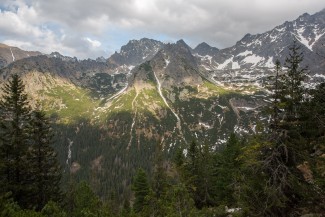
[93, 28]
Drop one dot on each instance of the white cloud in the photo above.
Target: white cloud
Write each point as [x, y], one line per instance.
[93, 43]
[84, 28]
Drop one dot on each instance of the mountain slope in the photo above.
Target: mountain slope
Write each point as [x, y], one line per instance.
[10, 54]
[93, 75]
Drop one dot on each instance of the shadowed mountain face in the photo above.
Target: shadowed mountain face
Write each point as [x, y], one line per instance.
[110, 114]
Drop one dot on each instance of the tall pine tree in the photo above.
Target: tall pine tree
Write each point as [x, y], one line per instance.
[141, 189]
[293, 95]
[45, 174]
[14, 127]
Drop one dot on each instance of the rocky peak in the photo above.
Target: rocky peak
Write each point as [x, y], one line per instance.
[136, 52]
[181, 42]
[204, 49]
[173, 65]
[62, 57]
[101, 59]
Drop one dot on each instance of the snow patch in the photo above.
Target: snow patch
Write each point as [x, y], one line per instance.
[167, 62]
[256, 42]
[131, 67]
[208, 57]
[235, 65]
[319, 76]
[317, 37]
[205, 125]
[246, 108]
[281, 29]
[269, 63]
[245, 53]
[12, 54]
[253, 59]
[273, 38]
[302, 39]
[225, 63]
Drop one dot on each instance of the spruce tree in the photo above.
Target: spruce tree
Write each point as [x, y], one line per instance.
[160, 183]
[283, 149]
[226, 169]
[198, 174]
[14, 127]
[276, 88]
[45, 174]
[141, 189]
[293, 95]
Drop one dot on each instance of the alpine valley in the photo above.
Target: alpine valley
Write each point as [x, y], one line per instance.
[111, 114]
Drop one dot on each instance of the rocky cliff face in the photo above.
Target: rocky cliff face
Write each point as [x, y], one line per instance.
[135, 52]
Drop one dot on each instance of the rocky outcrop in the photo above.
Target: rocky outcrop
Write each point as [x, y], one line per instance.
[135, 52]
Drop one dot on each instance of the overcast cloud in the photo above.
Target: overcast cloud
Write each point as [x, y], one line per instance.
[92, 28]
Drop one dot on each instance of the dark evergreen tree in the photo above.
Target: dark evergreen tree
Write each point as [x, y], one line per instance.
[313, 114]
[226, 169]
[197, 175]
[160, 182]
[140, 187]
[14, 128]
[191, 172]
[276, 88]
[45, 171]
[293, 94]
[86, 202]
[179, 158]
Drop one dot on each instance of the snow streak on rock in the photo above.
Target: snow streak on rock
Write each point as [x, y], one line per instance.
[117, 94]
[133, 122]
[68, 161]
[12, 54]
[165, 101]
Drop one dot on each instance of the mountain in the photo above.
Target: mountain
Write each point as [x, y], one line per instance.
[110, 115]
[256, 53]
[173, 65]
[134, 53]
[204, 49]
[9, 54]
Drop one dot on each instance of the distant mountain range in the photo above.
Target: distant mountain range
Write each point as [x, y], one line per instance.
[110, 114]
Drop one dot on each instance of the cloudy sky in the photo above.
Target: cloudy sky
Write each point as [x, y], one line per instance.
[92, 28]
